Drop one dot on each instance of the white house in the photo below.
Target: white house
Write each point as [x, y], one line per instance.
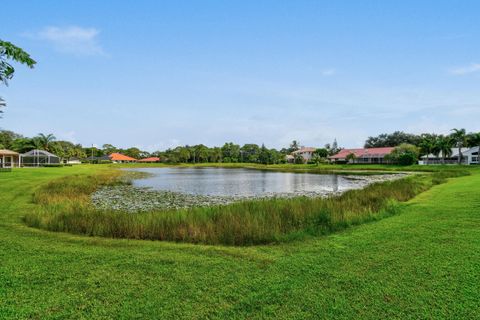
[305, 152]
[72, 160]
[469, 156]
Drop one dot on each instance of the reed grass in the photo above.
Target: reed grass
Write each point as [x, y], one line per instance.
[64, 205]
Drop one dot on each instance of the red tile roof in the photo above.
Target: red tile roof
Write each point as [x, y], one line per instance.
[363, 153]
[151, 159]
[120, 157]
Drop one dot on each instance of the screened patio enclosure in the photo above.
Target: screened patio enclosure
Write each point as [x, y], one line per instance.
[38, 158]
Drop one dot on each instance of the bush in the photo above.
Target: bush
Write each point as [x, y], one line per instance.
[105, 162]
[407, 159]
[53, 165]
[405, 155]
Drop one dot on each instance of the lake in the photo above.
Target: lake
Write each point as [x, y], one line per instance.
[241, 182]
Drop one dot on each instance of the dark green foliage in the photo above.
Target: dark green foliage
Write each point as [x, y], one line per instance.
[404, 155]
[9, 51]
[392, 140]
[407, 159]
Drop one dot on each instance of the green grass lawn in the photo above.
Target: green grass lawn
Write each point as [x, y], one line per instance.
[423, 262]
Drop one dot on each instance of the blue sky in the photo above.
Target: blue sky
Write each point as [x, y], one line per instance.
[155, 74]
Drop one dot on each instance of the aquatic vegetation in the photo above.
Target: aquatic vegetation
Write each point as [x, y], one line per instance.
[132, 199]
[65, 205]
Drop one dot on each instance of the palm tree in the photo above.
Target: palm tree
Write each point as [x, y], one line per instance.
[460, 138]
[351, 157]
[427, 144]
[45, 140]
[295, 145]
[443, 145]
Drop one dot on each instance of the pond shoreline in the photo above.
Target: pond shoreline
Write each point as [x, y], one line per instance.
[143, 199]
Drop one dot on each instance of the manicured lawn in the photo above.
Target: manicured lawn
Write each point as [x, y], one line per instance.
[421, 263]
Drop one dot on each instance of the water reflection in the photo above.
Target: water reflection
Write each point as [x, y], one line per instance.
[239, 182]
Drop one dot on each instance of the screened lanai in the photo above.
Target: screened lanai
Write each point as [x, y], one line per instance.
[38, 158]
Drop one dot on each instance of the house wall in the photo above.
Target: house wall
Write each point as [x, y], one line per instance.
[307, 156]
[9, 161]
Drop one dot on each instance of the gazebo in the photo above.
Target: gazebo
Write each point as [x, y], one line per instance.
[9, 159]
[37, 158]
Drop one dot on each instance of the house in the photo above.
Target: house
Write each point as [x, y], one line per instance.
[94, 159]
[121, 158]
[305, 152]
[469, 156]
[149, 160]
[365, 155]
[9, 159]
[289, 158]
[72, 160]
[452, 158]
[114, 157]
[37, 158]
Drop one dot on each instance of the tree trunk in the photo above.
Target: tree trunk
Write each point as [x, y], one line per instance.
[459, 155]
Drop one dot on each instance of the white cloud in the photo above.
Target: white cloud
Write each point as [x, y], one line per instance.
[72, 39]
[474, 67]
[328, 72]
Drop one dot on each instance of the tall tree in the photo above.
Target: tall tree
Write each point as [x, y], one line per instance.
[294, 146]
[444, 146]
[460, 138]
[231, 152]
[427, 144]
[45, 140]
[392, 140]
[10, 52]
[109, 149]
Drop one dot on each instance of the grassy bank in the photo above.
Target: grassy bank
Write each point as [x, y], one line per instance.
[422, 263]
[65, 206]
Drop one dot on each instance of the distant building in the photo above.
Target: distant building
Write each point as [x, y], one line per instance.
[469, 156]
[365, 155]
[38, 158]
[72, 160]
[114, 157]
[472, 155]
[121, 158]
[9, 159]
[289, 158]
[305, 152]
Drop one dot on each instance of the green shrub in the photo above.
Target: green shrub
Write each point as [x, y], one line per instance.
[53, 165]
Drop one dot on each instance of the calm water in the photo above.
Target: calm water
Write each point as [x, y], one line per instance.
[240, 182]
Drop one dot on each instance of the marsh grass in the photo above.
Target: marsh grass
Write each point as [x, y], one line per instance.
[64, 205]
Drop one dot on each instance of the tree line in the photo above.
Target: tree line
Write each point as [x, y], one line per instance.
[228, 153]
[440, 145]
[408, 146]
